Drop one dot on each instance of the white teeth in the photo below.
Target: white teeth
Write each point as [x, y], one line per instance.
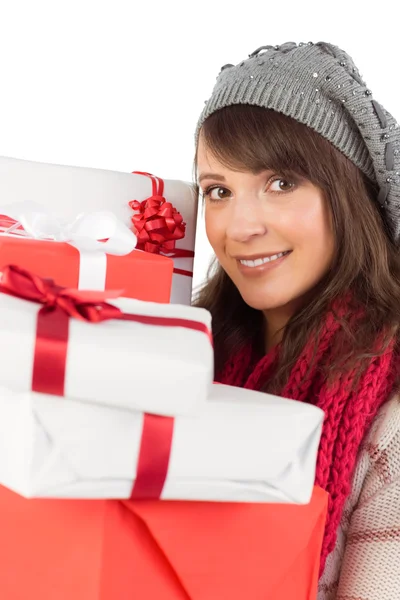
[261, 261]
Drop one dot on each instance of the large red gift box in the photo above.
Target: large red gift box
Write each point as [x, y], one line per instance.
[141, 275]
[158, 550]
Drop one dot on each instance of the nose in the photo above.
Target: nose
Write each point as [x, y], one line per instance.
[246, 220]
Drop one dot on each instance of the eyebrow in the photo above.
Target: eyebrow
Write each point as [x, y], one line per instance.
[211, 176]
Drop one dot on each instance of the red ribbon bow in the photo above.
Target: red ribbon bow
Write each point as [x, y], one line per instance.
[82, 305]
[59, 304]
[158, 225]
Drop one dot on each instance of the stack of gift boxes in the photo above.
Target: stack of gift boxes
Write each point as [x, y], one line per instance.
[125, 472]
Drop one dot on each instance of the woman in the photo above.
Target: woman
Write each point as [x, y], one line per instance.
[298, 166]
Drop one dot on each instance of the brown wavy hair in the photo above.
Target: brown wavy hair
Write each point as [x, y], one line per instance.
[366, 261]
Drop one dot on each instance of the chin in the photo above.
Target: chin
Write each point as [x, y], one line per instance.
[267, 302]
[259, 302]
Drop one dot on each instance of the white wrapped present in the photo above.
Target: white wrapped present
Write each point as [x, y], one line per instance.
[68, 191]
[243, 446]
[152, 357]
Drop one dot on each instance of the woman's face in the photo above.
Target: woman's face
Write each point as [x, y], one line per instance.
[272, 236]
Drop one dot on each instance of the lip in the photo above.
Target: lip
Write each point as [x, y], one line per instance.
[256, 256]
[261, 269]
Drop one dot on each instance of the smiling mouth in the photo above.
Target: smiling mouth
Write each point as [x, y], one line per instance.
[261, 261]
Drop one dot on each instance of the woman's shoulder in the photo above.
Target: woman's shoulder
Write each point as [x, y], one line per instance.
[384, 434]
[378, 462]
[379, 459]
[371, 514]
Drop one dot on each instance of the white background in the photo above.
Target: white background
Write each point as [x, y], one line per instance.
[120, 84]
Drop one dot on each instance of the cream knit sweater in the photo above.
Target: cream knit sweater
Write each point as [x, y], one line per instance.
[365, 564]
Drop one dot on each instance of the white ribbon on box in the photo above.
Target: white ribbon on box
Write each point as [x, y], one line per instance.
[72, 190]
[84, 233]
[243, 446]
[165, 370]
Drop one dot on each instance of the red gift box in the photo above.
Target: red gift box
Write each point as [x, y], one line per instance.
[158, 550]
[140, 275]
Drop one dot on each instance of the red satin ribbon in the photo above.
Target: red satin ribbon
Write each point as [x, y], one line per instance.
[154, 455]
[58, 305]
[82, 305]
[183, 272]
[158, 225]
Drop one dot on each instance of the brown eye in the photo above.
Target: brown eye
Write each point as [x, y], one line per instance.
[285, 185]
[282, 185]
[217, 193]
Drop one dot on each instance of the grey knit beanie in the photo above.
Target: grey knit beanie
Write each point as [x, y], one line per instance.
[319, 86]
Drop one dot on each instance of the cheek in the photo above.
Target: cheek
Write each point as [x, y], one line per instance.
[215, 230]
[313, 231]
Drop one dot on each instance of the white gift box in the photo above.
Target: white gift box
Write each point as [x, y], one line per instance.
[162, 368]
[244, 446]
[68, 191]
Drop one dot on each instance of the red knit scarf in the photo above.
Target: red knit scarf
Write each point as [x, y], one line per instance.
[348, 415]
